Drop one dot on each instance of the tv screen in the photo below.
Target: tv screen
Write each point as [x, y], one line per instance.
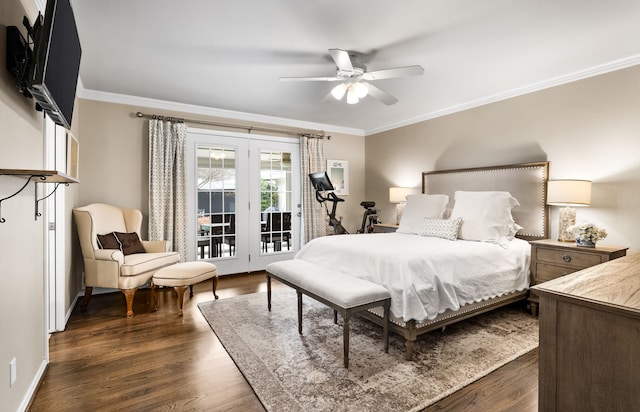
[321, 182]
[56, 62]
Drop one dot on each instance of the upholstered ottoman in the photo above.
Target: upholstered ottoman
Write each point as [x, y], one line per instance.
[181, 276]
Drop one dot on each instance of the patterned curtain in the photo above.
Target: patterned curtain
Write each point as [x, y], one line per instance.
[167, 183]
[313, 160]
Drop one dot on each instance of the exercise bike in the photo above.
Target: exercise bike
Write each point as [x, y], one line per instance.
[369, 218]
[321, 183]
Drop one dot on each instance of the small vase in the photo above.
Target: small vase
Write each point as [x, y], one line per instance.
[585, 243]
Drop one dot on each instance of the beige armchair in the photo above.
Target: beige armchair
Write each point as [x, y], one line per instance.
[117, 268]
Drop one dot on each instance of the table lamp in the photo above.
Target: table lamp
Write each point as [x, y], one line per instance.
[568, 193]
[398, 195]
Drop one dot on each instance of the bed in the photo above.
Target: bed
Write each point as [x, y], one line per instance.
[459, 260]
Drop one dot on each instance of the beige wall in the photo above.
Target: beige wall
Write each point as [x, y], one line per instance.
[21, 237]
[114, 157]
[588, 129]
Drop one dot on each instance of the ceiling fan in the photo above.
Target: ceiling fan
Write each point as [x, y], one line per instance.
[355, 79]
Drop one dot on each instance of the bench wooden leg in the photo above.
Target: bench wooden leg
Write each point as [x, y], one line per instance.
[335, 317]
[385, 328]
[215, 285]
[154, 298]
[268, 292]
[345, 338]
[299, 311]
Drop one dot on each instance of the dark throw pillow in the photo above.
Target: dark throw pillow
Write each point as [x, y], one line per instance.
[109, 241]
[130, 243]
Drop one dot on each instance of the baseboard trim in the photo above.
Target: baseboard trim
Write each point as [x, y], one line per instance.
[33, 388]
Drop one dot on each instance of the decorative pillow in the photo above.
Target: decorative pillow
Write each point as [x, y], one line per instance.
[486, 216]
[443, 228]
[418, 207]
[130, 243]
[109, 241]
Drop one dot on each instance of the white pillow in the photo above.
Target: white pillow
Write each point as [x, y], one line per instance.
[442, 228]
[486, 216]
[418, 207]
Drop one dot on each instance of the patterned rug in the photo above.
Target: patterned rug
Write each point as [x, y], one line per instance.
[291, 372]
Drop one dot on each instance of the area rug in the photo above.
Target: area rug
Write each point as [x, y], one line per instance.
[292, 372]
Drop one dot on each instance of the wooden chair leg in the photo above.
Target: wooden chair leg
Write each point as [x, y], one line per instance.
[190, 291]
[180, 290]
[128, 295]
[87, 297]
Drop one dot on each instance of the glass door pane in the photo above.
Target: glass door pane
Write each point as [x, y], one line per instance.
[275, 201]
[216, 201]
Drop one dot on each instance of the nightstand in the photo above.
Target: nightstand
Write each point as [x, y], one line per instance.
[384, 228]
[551, 259]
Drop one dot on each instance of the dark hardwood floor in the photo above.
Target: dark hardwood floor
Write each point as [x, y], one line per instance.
[159, 361]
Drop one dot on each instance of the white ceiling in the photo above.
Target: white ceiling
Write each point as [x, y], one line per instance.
[229, 55]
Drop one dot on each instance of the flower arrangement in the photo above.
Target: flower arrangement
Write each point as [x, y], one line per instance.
[587, 233]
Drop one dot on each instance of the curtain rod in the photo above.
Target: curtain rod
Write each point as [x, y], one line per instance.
[314, 135]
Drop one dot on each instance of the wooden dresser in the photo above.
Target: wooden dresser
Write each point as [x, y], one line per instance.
[589, 355]
[551, 259]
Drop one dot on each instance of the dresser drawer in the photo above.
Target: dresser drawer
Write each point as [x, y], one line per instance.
[546, 271]
[568, 258]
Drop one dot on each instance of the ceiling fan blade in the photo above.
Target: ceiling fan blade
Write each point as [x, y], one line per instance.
[342, 59]
[309, 79]
[395, 72]
[381, 95]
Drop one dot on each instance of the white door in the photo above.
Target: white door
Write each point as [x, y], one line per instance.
[243, 199]
[52, 208]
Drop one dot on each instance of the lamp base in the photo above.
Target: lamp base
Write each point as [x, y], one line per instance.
[567, 218]
[399, 211]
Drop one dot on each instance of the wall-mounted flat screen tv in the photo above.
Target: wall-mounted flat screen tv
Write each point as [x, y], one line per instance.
[53, 75]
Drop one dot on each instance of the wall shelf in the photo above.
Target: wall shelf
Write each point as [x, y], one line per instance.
[45, 176]
[38, 176]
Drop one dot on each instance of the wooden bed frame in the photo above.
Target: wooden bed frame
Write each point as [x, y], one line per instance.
[527, 182]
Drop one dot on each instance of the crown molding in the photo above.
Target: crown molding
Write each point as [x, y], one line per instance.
[108, 97]
[534, 87]
[619, 64]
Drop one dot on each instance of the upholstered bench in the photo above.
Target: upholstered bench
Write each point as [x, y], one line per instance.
[181, 276]
[341, 292]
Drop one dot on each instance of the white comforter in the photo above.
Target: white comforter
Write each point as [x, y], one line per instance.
[425, 275]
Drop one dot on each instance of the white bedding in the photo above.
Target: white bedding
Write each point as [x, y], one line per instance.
[425, 275]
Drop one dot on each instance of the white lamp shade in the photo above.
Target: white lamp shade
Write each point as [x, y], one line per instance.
[352, 95]
[569, 192]
[399, 194]
[361, 89]
[339, 91]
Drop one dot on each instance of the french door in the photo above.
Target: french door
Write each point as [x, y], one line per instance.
[243, 199]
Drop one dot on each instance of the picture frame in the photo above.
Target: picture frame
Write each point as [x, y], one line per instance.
[338, 171]
[73, 156]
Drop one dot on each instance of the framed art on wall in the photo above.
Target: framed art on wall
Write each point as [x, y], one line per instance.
[73, 156]
[338, 171]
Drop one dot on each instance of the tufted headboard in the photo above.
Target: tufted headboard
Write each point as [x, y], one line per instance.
[527, 182]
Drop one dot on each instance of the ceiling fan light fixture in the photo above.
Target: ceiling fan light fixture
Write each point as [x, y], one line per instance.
[339, 91]
[352, 95]
[361, 89]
